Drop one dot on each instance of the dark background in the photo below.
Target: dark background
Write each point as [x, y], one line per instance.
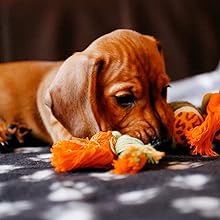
[189, 30]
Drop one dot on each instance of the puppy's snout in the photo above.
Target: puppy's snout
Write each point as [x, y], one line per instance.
[162, 144]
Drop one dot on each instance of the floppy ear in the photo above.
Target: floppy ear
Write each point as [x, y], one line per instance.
[73, 95]
[159, 46]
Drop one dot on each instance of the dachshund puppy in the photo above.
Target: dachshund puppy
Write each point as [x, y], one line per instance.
[118, 82]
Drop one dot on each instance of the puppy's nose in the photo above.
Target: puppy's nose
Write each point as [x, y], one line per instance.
[162, 144]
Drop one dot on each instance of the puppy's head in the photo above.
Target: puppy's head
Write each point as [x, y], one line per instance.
[118, 83]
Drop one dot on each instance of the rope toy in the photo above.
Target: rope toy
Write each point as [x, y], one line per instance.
[198, 128]
[127, 155]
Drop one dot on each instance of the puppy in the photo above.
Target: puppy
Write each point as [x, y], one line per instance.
[118, 82]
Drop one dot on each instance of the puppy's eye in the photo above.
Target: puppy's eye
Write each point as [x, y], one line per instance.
[164, 92]
[125, 100]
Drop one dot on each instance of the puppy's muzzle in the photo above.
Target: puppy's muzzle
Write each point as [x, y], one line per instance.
[162, 143]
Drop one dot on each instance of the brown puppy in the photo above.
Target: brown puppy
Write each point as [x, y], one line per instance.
[118, 83]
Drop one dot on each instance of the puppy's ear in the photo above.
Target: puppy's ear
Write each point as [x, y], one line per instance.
[159, 46]
[73, 95]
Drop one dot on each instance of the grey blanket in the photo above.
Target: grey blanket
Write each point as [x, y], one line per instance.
[179, 187]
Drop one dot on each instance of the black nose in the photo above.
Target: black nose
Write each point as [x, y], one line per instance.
[162, 144]
[11, 138]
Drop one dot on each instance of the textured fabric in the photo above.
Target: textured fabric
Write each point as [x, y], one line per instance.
[53, 29]
[179, 187]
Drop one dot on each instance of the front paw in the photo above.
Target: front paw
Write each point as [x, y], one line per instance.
[4, 146]
[11, 136]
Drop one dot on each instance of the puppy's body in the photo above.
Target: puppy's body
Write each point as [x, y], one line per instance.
[117, 83]
[19, 83]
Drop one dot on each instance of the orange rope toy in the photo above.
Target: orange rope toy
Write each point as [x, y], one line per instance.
[201, 137]
[198, 128]
[104, 150]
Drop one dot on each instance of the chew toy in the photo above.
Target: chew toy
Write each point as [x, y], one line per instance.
[187, 116]
[198, 128]
[104, 150]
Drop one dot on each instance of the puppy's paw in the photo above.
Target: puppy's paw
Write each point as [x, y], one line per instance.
[11, 136]
[5, 147]
[16, 133]
[4, 144]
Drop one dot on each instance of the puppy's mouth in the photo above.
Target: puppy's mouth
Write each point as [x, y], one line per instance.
[146, 135]
[162, 143]
[141, 130]
[159, 140]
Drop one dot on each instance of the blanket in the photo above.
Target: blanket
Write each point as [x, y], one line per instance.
[192, 89]
[179, 187]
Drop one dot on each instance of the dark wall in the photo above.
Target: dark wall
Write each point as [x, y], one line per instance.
[189, 30]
